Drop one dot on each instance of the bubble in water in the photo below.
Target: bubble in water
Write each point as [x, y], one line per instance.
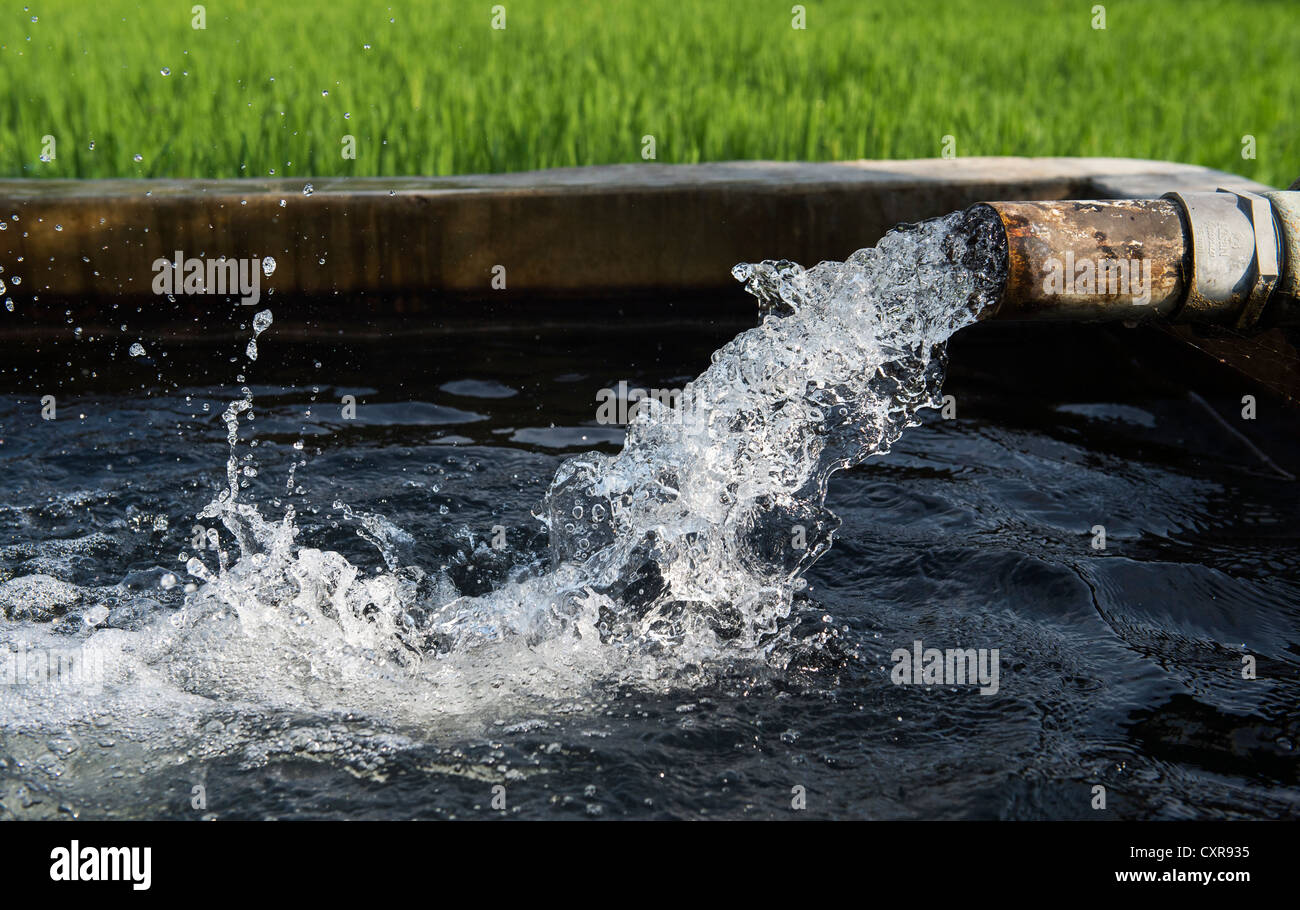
[95, 615]
[196, 568]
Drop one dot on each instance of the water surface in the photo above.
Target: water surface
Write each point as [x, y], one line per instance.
[1119, 667]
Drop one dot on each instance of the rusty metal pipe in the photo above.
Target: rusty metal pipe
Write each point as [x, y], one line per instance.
[1223, 258]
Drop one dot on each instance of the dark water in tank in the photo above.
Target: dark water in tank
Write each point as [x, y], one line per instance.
[1119, 667]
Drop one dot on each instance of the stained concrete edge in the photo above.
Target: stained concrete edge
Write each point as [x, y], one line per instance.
[601, 230]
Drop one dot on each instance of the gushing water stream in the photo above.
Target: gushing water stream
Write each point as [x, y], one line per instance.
[684, 549]
[680, 554]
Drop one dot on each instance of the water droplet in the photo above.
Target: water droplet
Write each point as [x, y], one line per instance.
[308, 190]
[166, 71]
[137, 350]
[138, 158]
[268, 265]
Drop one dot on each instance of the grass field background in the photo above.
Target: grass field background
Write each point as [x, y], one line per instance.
[431, 88]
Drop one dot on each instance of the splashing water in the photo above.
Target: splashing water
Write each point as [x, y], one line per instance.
[684, 549]
[670, 562]
[363, 687]
[695, 536]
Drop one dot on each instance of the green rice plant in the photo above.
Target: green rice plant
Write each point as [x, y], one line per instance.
[133, 89]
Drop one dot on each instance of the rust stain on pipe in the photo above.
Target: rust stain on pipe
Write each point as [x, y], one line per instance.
[1093, 260]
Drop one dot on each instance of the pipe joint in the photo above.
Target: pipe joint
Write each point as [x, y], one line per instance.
[1235, 257]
